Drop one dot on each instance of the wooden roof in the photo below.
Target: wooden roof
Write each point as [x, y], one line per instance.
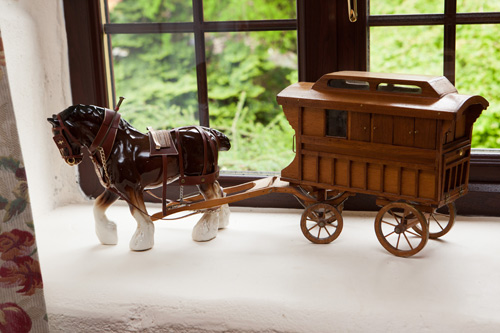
[391, 94]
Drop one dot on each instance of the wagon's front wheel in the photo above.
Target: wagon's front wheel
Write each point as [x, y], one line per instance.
[394, 227]
[321, 223]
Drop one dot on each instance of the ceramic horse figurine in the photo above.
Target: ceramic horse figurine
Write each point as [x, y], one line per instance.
[126, 168]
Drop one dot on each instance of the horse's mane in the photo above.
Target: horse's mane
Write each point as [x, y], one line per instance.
[97, 111]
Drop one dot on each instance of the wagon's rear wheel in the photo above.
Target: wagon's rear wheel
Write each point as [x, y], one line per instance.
[440, 221]
[321, 223]
[394, 227]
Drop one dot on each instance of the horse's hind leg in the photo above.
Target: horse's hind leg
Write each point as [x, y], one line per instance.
[104, 228]
[213, 219]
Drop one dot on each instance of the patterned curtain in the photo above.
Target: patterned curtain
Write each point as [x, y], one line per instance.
[22, 304]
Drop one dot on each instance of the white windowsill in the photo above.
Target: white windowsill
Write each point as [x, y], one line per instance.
[262, 275]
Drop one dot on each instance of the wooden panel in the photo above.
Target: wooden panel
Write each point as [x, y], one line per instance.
[391, 179]
[374, 174]
[358, 175]
[450, 133]
[292, 115]
[313, 122]
[425, 158]
[425, 133]
[292, 170]
[359, 126]
[403, 131]
[309, 167]
[341, 172]
[408, 182]
[460, 128]
[382, 129]
[325, 170]
[427, 185]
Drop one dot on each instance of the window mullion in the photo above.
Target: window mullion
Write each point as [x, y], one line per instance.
[450, 31]
[201, 63]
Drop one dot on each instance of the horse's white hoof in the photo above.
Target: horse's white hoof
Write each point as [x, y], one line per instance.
[224, 216]
[206, 228]
[106, 232]
[143, 238]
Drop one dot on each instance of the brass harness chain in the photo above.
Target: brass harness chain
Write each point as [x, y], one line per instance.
[107, 181]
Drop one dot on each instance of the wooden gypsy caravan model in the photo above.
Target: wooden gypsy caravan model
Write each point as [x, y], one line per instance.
[404, 138]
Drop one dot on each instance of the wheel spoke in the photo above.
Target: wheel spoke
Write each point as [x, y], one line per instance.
[311, 228]
[385, 236]
[411, 247]
[395, 218]
[397, 244]
[439, 224]
[326, 229]
[413, 233]
[394, 225]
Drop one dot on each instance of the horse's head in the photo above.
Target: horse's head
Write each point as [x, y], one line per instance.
[72, 129]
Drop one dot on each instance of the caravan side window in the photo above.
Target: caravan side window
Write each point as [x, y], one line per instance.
[336, 123]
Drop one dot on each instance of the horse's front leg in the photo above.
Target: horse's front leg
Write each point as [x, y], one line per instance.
[104, 228]
[143, 238]
[213, 219]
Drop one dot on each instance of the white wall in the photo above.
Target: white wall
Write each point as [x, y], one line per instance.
[34, 39]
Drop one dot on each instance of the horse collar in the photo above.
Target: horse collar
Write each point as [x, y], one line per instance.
[106, 135]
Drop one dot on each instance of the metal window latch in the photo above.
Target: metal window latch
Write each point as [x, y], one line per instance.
[352, 10]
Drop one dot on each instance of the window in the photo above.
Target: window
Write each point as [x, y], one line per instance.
[336, 123]
[327, 41]
[213, 63]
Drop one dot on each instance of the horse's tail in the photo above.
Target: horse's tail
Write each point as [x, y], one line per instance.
[222, 139]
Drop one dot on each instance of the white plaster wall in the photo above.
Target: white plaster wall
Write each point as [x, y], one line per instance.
[34, 38]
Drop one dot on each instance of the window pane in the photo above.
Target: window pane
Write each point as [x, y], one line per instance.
[478, 73]
[245, 73]
[390, 7]
[145, 11]
[239, 10]
[336, 123]
[464, 6]
[156, 74]
[409, 50]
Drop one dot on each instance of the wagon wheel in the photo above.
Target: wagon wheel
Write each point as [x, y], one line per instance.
[440, 221]
[394, 227]
[321, 223]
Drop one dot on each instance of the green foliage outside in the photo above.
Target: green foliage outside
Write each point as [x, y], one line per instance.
[157, 72]
[419, 50]
[245, 71]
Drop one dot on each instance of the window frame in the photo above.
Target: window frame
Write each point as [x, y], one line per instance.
[344, 46]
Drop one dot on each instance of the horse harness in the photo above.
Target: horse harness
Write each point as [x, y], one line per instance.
[161, 144]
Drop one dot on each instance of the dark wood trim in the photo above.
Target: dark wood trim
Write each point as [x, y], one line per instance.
[86, 51]
[405, 20]
[478, 18]
[205, 26]
[148, 28]
[86, 55]
[327, 41]
[432, 19]
[450, 32]
[201, 63]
